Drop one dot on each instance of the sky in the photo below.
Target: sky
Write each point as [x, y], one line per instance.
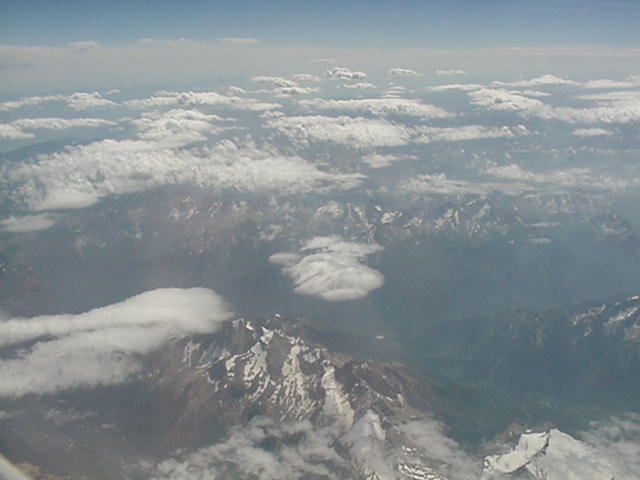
[358, 23]
[49, 46]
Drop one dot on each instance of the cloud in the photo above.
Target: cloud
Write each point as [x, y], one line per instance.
[592, 132]
[28, 223]
[427, 134]
[330, 268]
[403, 72]
[76, 101]
[101, 346]
[56, 123]
[465, 87]
[239, 41]
[565, 178]
[80, 176]
[214, 99]
[377, 160]
[274, 81]
[359, 85]
[360, 133]
[379, 106]
[177, 127]
[607, 83]
[343, 73]
[543, 80]
[306, 77]
[614, 107]
[439, 183]
[83, 46]
[617, 441]
[12, 132]
[450, 73]
[16, 129]
[300, 451]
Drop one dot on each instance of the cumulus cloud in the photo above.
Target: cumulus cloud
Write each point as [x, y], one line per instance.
[306, 77]
[356, 132]
[592, 132]
[28, 223]
[359, 85]
[403, 72]
[16, 129]
[450, 73]
[76, 101]
[330, 268]
[343, 73]
[427, 134]
[101, 346]
[379, 106]
[613, 107]
[12, 132]
[214, 99]
[80, 176]
[547, 79]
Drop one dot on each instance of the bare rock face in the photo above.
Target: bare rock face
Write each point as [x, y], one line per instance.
[275, 373]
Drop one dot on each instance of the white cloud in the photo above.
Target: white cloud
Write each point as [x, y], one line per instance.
[378, 160]
[607, 83]
[83, 46]
[379, 106]
[76, 101]
[165, 99]
[450, 72]
[359, 85]
[566, 178]
[543, 80]
[330, 268]
[356, 132]
[239, 41]
[592, 132]
[12, 132]
[16, 129]
[274, 81]
[81, 175]
[426, 134]
[28, 223]
[177, 127]
[614, 107]
[465, 87]
[403, 72]
[302, 451]
[306, 77]
[57, 123]
[439, 183]
[617, 441]
[102, 346]
[343, 73]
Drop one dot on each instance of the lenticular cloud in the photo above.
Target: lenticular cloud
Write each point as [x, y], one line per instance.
[331, 269]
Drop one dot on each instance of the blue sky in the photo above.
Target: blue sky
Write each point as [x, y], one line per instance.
[356, 23]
